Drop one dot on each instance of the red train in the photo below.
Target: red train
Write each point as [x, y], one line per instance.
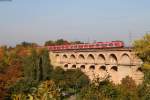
[97, 45]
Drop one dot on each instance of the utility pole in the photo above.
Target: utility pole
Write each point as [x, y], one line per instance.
[130, 43]
[130, 40]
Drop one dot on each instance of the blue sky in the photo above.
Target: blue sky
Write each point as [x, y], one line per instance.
[100, 20]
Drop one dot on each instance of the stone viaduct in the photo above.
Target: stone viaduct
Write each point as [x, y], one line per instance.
[99, 63]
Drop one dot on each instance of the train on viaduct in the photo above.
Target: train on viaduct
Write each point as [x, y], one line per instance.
[99, 60]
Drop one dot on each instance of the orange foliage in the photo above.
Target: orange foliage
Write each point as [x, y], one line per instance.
[1, 53]
[9, 77]
[12, 73]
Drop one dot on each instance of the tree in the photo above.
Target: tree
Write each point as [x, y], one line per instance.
[37, 66]
[10, 70]
[100, 90]
[46, 90]
[26, 44]
[61, 42]
[142, 49]
[48, 43]
[76, 42]
[57, 42]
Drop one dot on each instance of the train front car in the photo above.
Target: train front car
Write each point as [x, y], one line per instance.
[118, 44]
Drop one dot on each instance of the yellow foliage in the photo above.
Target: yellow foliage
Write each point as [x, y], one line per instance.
[146, 66]
[46, 91]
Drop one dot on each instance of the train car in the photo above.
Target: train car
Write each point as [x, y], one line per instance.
[97, 45]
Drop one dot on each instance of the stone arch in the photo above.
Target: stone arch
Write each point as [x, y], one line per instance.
[72, 58]
[82, 67]
[92, 67]
[90, 58]
[102, 68]
[102, 72]
[125, 59]
[81, 58]
[101, 59]
[113, 59]
[64, 58]
[66, 66]
[114, 68]
[57, 57]
[114, 74]
[139, 69]
[74, 66]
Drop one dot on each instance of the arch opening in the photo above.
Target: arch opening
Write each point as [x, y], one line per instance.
[64, 58]
[57, 58]
[66, 66]
[114, 68]
[73, 66]
[72, 58]
[139, 69]
[101, 58]
[82, 66]
[92, 67]
[113, 59]
[81, 58]
[102, 68]
[125, 59]
[90, 58]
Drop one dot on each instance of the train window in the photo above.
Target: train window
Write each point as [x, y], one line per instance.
[90, 46]
[85, 46]
[52, 48]
[93, 45]
[104, 45]
[97, 44]
[75, 46]
[80, 46]
[110, 44]
[71, 46]
[66, 47]
[100, 44]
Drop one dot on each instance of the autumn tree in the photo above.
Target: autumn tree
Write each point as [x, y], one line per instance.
[37, 65]
[142, 49]
[57, 42]
[61, 42]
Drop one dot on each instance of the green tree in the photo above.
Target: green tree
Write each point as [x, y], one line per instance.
[37, 66]
[142, 49]
[57, 42]
[128, 89]
[76, 42]
[48, 43]
[100, 90]
[27, 44]
[61, 42]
